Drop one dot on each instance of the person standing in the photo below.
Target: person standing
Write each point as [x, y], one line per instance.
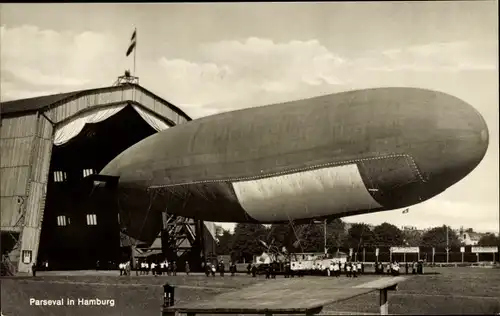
[348, 269]
[287, 270]
[162, 267]
[360, 267]
[187, 268]
[233, 268]
[396, 268]
[33, 269]
[127, 268]
[221, 268]
[354, 270]
[214, 269]
[274, 269]
[336, 269]
[174, 268]
[268, 271]
[207, 269]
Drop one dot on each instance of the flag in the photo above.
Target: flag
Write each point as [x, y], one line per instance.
[406, 211]
[132, 43]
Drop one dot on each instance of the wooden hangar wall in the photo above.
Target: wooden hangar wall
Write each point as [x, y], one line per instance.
[26, 144]
[26, 147]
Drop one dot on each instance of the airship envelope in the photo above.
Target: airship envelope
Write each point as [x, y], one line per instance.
[330, 156]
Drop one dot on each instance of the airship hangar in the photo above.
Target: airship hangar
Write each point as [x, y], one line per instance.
[52, 148]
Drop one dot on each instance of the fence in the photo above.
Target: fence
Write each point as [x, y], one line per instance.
[439, 255]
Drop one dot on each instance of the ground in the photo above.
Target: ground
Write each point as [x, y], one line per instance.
[449, 291]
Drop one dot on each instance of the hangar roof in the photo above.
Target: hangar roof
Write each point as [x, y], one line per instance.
[42, 102]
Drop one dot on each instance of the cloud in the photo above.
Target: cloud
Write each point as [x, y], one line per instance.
[238, 74]
[226, 74]
[251, 72]
[435, 57]
[37, 60]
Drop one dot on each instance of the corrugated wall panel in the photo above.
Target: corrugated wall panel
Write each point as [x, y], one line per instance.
[13, 181]
[128, 94]
[144, 100]
[11, 211]
[157, 106]
[33, 210]
[69, 109]
[40, 170]
[35, 203]
[19, 126]
[29, 242]
[15, 151]
[46, 128]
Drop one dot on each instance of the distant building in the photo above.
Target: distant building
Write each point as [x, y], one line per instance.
[469, 238]
[408, 228]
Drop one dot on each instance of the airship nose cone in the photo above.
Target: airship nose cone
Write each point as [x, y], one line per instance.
[459, 143]
[441, 139]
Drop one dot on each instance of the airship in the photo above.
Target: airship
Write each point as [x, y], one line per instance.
[325, 157]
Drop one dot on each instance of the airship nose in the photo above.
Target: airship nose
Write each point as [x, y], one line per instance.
[441, 140]
[457, 144]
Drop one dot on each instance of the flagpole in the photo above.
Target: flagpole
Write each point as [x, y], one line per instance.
[135, 48]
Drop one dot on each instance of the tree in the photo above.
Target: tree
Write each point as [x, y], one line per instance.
[246, 241]
[311, 238]
[335, 234]
[436, 237]
[218, 230]
[279, 236]
[412, 238]
[489, 239]
[225, 239]
[388, 235]
[359, 236]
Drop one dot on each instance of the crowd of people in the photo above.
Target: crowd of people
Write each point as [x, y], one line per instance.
[394, 267]
[144, 268]
[211, 268]
[334, 268]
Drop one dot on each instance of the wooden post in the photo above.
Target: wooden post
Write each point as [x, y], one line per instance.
[384, 305]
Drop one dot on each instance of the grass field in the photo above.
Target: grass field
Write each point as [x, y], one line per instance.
[452, 291]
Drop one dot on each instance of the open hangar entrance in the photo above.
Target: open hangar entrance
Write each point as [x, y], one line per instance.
[64, 140]
[81, 225]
